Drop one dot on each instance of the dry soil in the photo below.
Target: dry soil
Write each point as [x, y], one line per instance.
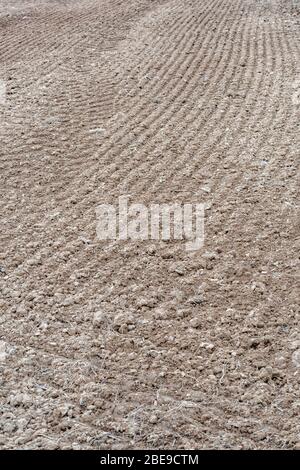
[111, 345]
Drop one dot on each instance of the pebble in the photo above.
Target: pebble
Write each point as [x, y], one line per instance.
[208, 346]
[123, 319]
[64, 410]
[181, 313]
[68, 301]
[294, 345]
[26, 437]
[9, 427]
[34, 261]
[21, 310]
[22, 424]
[99, 318]
[195, 322]
[153, 419]
[150, 303]
[20, 399]
[296, 358]
[196, 300]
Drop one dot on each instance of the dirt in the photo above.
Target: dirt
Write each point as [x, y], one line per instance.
[126, 345]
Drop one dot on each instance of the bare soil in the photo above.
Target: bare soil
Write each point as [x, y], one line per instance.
[113, 345]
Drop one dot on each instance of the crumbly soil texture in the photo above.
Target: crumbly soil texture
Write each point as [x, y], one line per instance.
[140, 343]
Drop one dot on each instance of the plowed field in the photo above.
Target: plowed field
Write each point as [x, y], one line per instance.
[142, 344]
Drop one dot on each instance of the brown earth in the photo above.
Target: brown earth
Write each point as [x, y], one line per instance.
[165, 100]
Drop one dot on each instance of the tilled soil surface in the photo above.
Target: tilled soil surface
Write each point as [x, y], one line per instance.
[108, 345]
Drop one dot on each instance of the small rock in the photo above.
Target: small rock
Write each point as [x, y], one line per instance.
[153, 419]
[210, 256]
[181, 313]
[21, 310]
[177, 268]
[160, 314]
[150, 303]
[195, 322]
[25, 437]
[9, 427]
[294, 345]
[20, 399]
[296, 358]
[34, 261]
[280, 362]
[64, 410]
[97, 130]
[68, 301]
[151, 250]
[208, 346]
[49, 444]
[123, 319]
[196, 300]
[44, 325]
[22, 424]
[76, 446]
[99, 318]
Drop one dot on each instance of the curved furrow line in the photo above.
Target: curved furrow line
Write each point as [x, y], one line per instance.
[147, 125]
[124, 262]
[241, 169]
[286, 118]
[266, 124]
[32, 144]
[199, 122]
[273, 118]
[11, 50]
[53, 65]
[223, 150]
[150, 188]
[292, 45]
[151, 193]
[216, 128]
[172, 115]
[162, 78]
[175, 28]
[233, 117]
[139, 111]
[162, 81]
[263, 120]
